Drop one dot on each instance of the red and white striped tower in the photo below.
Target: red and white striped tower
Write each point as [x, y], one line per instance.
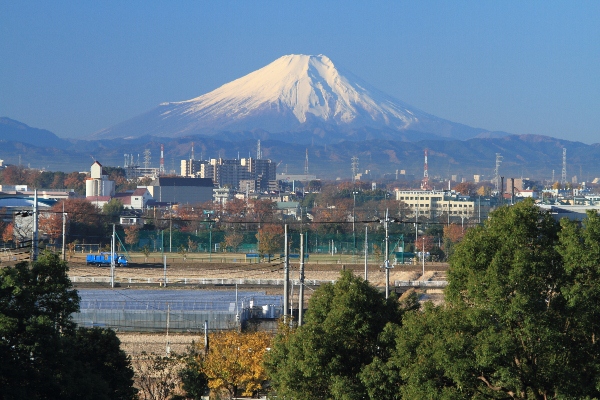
[425, 182]
[161, 170]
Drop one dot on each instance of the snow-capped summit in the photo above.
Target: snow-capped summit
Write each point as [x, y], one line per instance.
[293, 93]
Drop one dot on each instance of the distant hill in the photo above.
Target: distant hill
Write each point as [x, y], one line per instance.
[11, 130]
[523, 156]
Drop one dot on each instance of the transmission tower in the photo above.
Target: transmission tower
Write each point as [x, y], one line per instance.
[306, 163]
[147, 158]
[425, 182]
[497, 171]
[354, 168]
[563, 179]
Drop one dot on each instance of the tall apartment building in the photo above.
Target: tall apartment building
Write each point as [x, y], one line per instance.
[229, 173]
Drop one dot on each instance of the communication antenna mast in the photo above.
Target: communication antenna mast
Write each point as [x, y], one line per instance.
[563, 179]
[258, 151]
[354, 168]
[161, 169]
[147, 158]
[306, 163]
[497, 171]
[425, 182]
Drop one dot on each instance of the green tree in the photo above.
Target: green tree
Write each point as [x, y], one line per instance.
[43, 355]
[514, 324]
[345, 330]
[194, 381]
[113, 209]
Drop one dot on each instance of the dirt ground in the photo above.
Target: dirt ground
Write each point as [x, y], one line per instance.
[178, 272]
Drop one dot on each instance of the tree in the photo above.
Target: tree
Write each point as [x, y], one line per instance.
[270, 239]
[453, 234]
[347, 326]
[233, 363]
[233, 240]
[43, 355]
[465, 188]
[83, 218]
[8, 233]
[132, 235]
[51, 224]
[157, 376]
[113, 209]
[484, 190]
[262, 210]
[520, 320]
[194, 381]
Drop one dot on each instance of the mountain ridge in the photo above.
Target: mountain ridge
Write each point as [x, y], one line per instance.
[523, 155]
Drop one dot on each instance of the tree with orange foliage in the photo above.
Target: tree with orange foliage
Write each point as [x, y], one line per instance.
[270, 239]
[83, 217]
[8, 233]
[132, 235]
[426, 242]
[465, 188]
[454, 233]
[75, 180]
[233, 240]
[262, 210]
[50, 223]
[234, 363]
[234, 210]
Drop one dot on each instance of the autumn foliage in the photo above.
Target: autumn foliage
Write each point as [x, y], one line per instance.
[234, 362]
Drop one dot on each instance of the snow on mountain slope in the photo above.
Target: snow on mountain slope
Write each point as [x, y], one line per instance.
[293, 93]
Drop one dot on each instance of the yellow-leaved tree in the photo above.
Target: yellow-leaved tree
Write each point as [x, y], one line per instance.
[234, 363]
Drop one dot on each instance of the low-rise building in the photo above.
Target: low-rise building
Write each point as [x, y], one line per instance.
[434, 203]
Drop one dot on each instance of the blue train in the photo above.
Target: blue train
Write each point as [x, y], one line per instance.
[104, 259]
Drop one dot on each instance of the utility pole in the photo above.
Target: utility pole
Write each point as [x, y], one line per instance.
[423, 276]
[112, 259]
[64, 222]
[386, 264]
[366, 255]
[171, 229]
[205, 337]
[34, 249]
[168, 318]
[286, 275]
[165, 270]
[301, 289]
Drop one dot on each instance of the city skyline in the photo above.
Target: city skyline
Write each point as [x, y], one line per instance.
[524, 68]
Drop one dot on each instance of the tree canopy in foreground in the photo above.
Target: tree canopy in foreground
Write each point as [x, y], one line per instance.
[43, 355]
[347, 325]
[521, 314]
[521, 320]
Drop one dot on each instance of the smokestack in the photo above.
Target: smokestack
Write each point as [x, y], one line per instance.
[162, 159]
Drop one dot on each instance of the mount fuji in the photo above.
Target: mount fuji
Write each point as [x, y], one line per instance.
[294, 98]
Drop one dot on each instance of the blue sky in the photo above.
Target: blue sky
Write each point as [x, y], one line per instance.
[525, 67]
